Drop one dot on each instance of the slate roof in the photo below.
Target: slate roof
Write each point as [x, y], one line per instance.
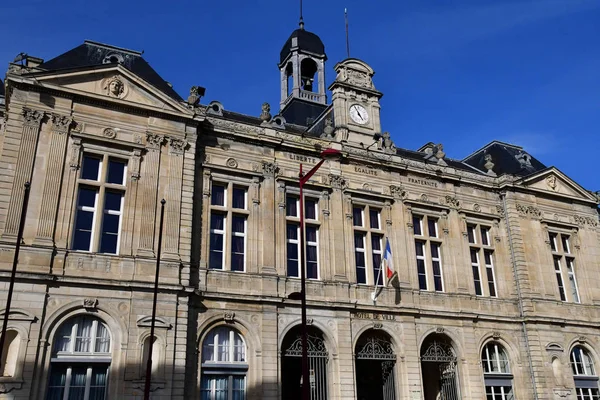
[91, 54]
[420, 156]
[507, 159]
[307, 41]
[302, 112]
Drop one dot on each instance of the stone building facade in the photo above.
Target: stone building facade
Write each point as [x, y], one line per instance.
[497, 255]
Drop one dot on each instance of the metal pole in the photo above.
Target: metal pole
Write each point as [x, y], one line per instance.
[305, 378]
[149, 364]
[11, 285]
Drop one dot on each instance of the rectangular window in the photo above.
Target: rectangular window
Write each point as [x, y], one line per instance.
[476, 272]
[360, 257]
[100, 203]
[293, 250]
[228, 227]
[564, 266]
[428, 253]
[368, 245]
[559, 279]
[480, 251]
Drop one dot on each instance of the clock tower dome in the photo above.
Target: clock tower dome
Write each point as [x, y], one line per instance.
[355, 102]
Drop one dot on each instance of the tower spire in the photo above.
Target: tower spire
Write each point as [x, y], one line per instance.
[347, 37]
[301, 19]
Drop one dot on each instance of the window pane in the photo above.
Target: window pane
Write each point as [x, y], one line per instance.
[112, 201]
[237, 253]
[311, 234]
[565, 243]
[552, 238]
[239, 198]
[116, 172]
[422, 274]
[359, 241]
[357, 216]
[417, 225]
[56, 385]
[90, 168]
[471, 233]
[238, 224]
[98, 383]
[217, 221]
[432, 227]
[312, 266]
[474, 257]
[77, 388]
[292, 232]
[477, 280]
[102, 339]
[435, 250]
[82, 237]
[110, 234]
[291, 206]
[310, 211]
[87, 197]
[485, 236]
[374, 219]
[216, 251]
[419, 247]
[217, 195]
[292, 260]
[361, 270]
[83, 338]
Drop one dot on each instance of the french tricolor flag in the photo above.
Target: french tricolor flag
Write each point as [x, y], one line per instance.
[388, 261]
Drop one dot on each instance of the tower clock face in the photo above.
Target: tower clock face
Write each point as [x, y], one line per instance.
[359, 114]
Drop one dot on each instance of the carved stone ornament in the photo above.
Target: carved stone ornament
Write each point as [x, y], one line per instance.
[309, 321]
[109, 133]
[438, 151]
[398, 192]
[90, 303]
[582, 339]
[7, 387]
[476, 207]
[265, 114]
[328, 129]
[154, 141]
[439, 329]
[75, 150]
[194, 97]
[61, 123]
[529, 211]
[177, 146]
[452, 201]
[114, 87]
[489, 165]
[551, 182]
[358, 78]
[134, 165]
[377, 325]
[496, 335]
[524, 159]
[337, 182]
[386, 144]
[562, 393]
[229, 316]
[231, 163]
[583, 221]
[269, 168]
[500, 211]
[424, 197]
[32, 117]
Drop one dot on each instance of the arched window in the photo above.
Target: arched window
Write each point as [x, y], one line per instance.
[10, 354]
[224, 365]
[584, 374]
[496, 373]
[80, 360]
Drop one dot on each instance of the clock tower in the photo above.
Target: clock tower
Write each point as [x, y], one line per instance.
[355, 102]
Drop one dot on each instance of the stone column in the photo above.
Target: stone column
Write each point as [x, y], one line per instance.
[321, 77]
[173, 196]
[325, 261]
[53, 182]
[254, 226]
[284, 85]
[29, 138]
[68, 196]
[148, 193]
[341, 236]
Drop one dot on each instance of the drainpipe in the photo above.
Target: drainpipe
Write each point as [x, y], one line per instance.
[518, 285]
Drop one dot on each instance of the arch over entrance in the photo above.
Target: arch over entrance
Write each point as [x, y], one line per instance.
[291, 364]
[375, 361]
[439, 368]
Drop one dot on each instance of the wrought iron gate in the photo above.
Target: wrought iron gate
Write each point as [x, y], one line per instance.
[375, 348]
[317, 364]
[448, 381]
[443, 354]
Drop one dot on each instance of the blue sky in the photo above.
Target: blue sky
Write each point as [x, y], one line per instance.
[460, 72]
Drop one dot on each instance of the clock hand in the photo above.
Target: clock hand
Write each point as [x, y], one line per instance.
[359, 114]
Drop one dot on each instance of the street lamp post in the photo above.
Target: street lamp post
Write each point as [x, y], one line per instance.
[327, 154]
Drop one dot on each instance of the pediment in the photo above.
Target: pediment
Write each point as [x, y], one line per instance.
[114, 83]
[555, 182]
[159, 322]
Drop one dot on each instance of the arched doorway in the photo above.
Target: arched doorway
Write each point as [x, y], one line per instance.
[291, 364]
[375, 360]
[439, 369]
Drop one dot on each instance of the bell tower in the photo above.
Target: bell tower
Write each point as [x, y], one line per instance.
[302, 68]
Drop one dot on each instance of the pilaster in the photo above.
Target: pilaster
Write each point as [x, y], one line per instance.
[32, 120]
[130, 201]
[149, 188]
[177, 149]
[54, 172]
[270, 170]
